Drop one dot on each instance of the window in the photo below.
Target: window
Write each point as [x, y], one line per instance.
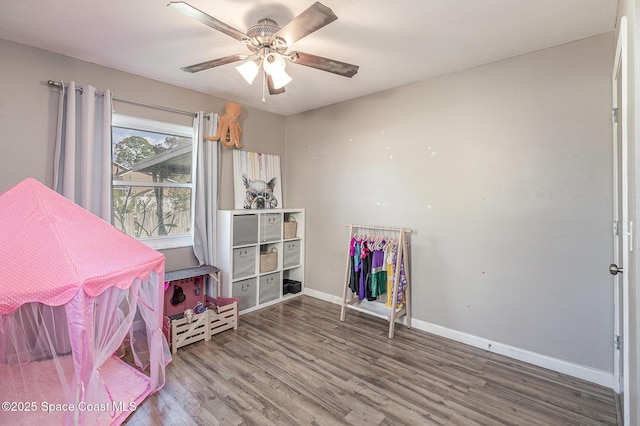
[152, 180]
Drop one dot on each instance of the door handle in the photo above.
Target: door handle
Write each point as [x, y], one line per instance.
[614, 269]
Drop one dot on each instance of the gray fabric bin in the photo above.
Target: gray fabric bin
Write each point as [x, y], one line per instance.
[270, 227]
[269, 287]
[245, 229]
[291, 254]
[246, 292]
[244, 261]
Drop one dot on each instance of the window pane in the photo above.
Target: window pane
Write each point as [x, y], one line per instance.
[144, 212]
[152, 180]
[141, 156]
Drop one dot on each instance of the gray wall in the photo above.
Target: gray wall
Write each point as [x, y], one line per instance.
[503, 172]
[28, 112]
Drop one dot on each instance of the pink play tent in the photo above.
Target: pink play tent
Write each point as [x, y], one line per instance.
[75, 292]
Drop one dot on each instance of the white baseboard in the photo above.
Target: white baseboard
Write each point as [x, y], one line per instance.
[592, 375]
[323, 296]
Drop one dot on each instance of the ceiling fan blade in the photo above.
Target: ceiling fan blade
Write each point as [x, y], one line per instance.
[324, 64]
[272, 90]
[312, 19]
[214, 23]
[214, 63]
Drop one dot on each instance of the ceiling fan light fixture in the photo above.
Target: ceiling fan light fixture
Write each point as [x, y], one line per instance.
[274, 65]
[249, 70]
[280, 79]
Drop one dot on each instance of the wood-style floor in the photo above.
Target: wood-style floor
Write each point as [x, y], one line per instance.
[295, 363]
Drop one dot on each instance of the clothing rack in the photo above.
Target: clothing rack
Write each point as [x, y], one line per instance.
[376, 308]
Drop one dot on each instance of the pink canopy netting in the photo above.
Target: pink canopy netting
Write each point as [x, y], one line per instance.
[74, 291]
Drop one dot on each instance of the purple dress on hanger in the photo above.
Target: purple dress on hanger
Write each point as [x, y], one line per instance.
[354, 252]
[364, 289]
[378, 273]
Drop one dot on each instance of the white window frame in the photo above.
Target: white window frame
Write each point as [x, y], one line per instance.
[143, 124]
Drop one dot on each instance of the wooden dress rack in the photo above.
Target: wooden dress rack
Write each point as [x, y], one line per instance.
[377, 308]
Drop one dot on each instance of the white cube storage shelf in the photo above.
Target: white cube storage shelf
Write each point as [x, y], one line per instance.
[241, 236]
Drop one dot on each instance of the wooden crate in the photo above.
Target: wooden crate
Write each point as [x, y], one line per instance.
[226, 318]
[221, 315]
[184, 333]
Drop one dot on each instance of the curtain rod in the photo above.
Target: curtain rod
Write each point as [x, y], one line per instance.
[59, 84]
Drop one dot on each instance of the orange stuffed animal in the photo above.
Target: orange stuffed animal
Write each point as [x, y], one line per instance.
[229, 131]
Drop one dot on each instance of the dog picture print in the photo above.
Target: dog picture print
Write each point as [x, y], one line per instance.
[259, 194]
[257, 181]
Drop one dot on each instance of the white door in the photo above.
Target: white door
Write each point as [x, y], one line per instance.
[623, 229]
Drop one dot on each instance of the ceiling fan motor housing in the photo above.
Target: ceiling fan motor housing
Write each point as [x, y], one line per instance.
[262, 33]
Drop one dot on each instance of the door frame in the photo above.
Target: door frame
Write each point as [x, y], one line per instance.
[623, 227]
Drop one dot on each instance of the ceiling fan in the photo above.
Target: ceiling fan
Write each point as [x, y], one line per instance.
[268, 44]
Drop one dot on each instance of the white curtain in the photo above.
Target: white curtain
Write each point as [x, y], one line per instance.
[206, 193]
[82, 167]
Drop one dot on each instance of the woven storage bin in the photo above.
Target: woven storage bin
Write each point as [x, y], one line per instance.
[268, 260]
[290, 228]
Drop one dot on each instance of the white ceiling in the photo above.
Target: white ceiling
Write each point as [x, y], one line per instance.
[394, 42]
